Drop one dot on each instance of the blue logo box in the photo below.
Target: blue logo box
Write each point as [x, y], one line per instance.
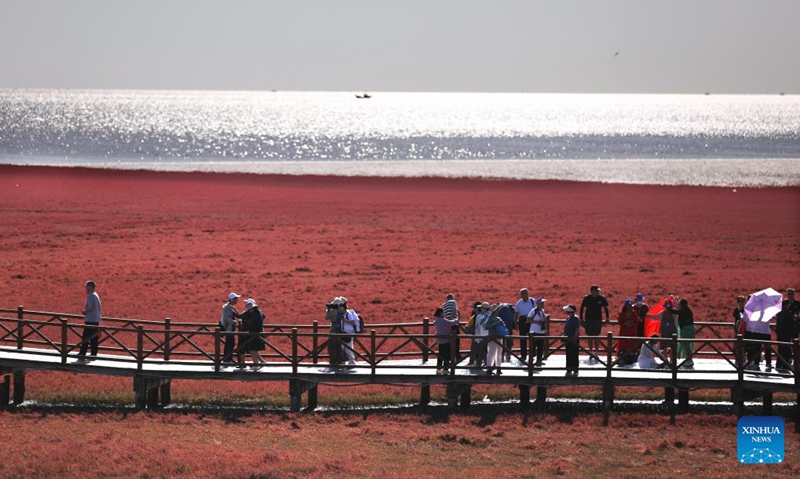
[760, 440]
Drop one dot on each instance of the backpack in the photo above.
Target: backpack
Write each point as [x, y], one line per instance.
[498, 329]
[360, 324]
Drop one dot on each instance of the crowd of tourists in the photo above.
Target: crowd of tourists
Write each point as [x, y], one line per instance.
[492, 329]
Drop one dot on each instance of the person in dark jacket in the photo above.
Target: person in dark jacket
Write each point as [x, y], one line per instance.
[787, 327]
[572, 336]
[738, 316]
[252, 340]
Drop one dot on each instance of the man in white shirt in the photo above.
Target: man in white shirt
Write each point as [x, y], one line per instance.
[92, 314]
[227, 324]
[539, 322]
[524, 306]
[350, 325]
[759, 331]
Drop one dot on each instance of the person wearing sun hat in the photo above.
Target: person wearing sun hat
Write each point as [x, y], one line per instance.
[335, 311]
[572, 335]
[227, 324]
[252, 343]
[477, 351]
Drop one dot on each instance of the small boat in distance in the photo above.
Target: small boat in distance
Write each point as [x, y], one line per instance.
[365, 95]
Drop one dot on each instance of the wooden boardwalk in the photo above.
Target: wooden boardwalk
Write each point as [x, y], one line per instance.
[153, 353]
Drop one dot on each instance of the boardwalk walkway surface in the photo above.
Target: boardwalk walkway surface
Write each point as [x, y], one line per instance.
[154, 353]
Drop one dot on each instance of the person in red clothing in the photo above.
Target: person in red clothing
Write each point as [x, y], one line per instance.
[628, 326]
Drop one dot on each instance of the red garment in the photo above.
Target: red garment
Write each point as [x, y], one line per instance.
[628, 326]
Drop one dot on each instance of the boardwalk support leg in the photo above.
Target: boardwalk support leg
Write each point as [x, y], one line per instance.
[669, 399]
[683, 400]
[296, 389]
[312, 398]
[608, 401]
[524, 397]
[737, 398]
[767, 405]
[5, 389]
[146, 392]
[541, 397]
[166, 394]
[466, 395]
[19, 386]
[424, 394]
[457, 391]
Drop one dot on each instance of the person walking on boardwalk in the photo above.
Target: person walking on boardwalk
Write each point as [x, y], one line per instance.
[227, 324]
[787, 327]
[92, 314]
[539, 322]
[591, 316]
[253, 342]
[524, 306]
[351, 324]
[334, 312]
[572, 335]
[444, 328]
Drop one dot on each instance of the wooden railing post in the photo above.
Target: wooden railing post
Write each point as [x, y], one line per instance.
[796, 354]
[167, 338]
[63, 341]
[529, 358]
[139, 347]
[315, 342]
[740, 361]
[372, 352]
[673, 360]
[217, 357]
[425, 330]
[20, 332]
[454, 342]
[609, 341]
[294, 352]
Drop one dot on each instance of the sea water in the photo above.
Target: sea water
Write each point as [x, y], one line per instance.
[652, 139]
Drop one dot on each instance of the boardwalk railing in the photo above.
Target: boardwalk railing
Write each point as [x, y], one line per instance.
[148, 341]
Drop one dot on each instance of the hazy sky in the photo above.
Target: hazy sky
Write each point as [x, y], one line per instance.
[719, 46]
